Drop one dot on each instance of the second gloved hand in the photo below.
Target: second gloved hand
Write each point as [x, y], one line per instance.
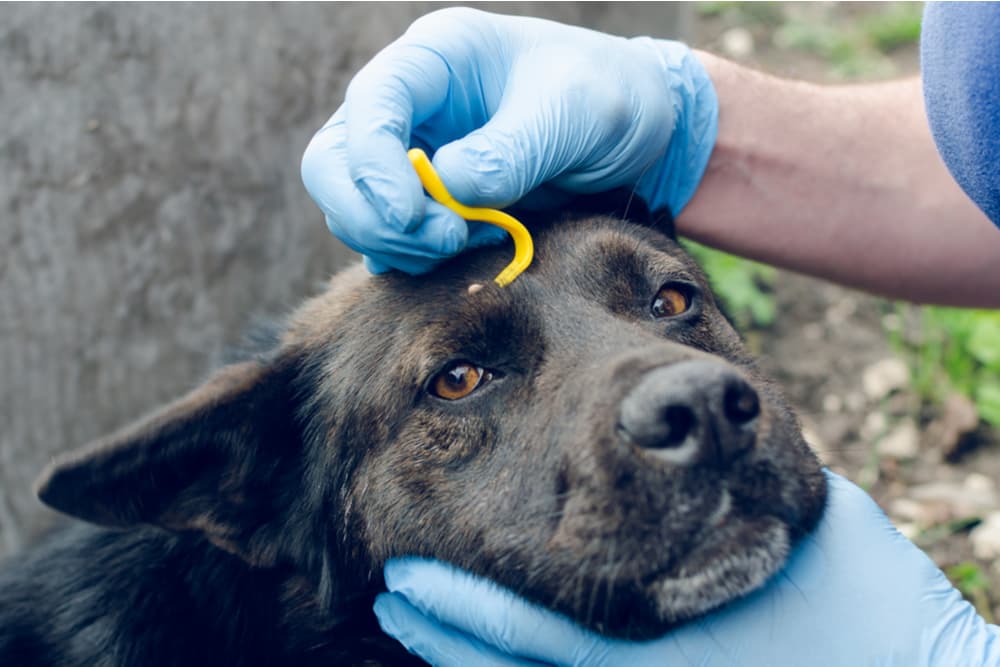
[507, 105]
[855, 592]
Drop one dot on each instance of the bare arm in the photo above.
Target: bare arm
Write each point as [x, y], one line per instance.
[844, 183]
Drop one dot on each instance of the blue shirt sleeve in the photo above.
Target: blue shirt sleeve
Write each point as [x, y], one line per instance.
[960, 63]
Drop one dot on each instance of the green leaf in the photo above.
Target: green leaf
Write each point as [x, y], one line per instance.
[968, 577]
[896, 27]
[988, 402]
[742, 286]
[984, 338]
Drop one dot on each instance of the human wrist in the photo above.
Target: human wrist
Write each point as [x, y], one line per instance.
[764, 123]
[672, 180]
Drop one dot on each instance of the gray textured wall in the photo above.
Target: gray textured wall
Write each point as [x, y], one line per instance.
[151, 199]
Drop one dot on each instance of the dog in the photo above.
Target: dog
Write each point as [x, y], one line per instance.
[594, 437]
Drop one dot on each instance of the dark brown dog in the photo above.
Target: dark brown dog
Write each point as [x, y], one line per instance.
[593, 436]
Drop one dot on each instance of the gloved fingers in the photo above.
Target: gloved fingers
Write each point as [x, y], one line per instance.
[847, 504]
[568, 116]
[912, 594]
[531, 139]
[480, 234]
[493, 615]
[375, 265]
[324, 166]
[379, 263]
[438, 234]
[484, 234]
[441, 235]
[435, 643]
[854, 592]
[402, 86]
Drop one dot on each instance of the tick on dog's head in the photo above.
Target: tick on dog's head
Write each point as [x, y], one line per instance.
[593, 436]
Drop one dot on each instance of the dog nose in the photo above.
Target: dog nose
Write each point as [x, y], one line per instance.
[692, 411]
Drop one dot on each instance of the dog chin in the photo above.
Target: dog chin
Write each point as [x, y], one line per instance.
[739, 556]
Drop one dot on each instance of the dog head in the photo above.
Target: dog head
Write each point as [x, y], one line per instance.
[594, 437]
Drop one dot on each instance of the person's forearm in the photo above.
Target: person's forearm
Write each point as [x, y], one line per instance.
[844, 183]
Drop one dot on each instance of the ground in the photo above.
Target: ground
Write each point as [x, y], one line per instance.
[832, 348]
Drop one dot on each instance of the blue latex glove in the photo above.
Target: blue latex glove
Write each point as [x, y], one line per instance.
[856, 592]
[506, 104]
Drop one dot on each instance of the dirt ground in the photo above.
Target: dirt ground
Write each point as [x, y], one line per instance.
[829, 345]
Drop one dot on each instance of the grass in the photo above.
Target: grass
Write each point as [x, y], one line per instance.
[753, 13]
[853, 47]
[952, 350]
[897, 26]
[742, 286]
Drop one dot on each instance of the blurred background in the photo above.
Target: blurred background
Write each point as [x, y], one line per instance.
[152, 211]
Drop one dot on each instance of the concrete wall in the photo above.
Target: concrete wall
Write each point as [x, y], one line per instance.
[151, 202]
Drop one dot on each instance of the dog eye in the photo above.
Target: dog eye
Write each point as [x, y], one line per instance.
[458, 380]
[669, 302]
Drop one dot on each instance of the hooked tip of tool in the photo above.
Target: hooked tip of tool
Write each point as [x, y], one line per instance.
[523, 244]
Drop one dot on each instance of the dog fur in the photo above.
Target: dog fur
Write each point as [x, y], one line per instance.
[248, 522]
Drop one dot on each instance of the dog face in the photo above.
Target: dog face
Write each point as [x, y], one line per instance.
[593, 436]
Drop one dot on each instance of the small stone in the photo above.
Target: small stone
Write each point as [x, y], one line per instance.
[985, 537]
[832, 403]
[902, 442]
[960, 500]
[93, 125]
[737, 43]
[812, 331]
[952, 433]
[874, 426]
[896, 488]
[977, 482]
[841, 311]
[909, 530]
[962, 412]
[855, 401]
[907, 509]
[892, 322]
[475, 287]
[884, 377]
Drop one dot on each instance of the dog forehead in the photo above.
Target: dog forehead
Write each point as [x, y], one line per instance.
[581, 250]
[312, 323]
[601, 245]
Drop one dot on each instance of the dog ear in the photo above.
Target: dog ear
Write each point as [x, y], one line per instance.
[225, 460]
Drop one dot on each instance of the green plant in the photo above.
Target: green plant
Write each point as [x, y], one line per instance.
[743, 286]
[743, 13]
[898, 25]
[953, 350]
[844, 47]
[853, 47]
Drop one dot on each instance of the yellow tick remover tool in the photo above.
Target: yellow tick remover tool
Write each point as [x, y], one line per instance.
[524, 249]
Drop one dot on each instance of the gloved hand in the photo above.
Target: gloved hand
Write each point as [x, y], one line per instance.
[508, 104]
[856, 592]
